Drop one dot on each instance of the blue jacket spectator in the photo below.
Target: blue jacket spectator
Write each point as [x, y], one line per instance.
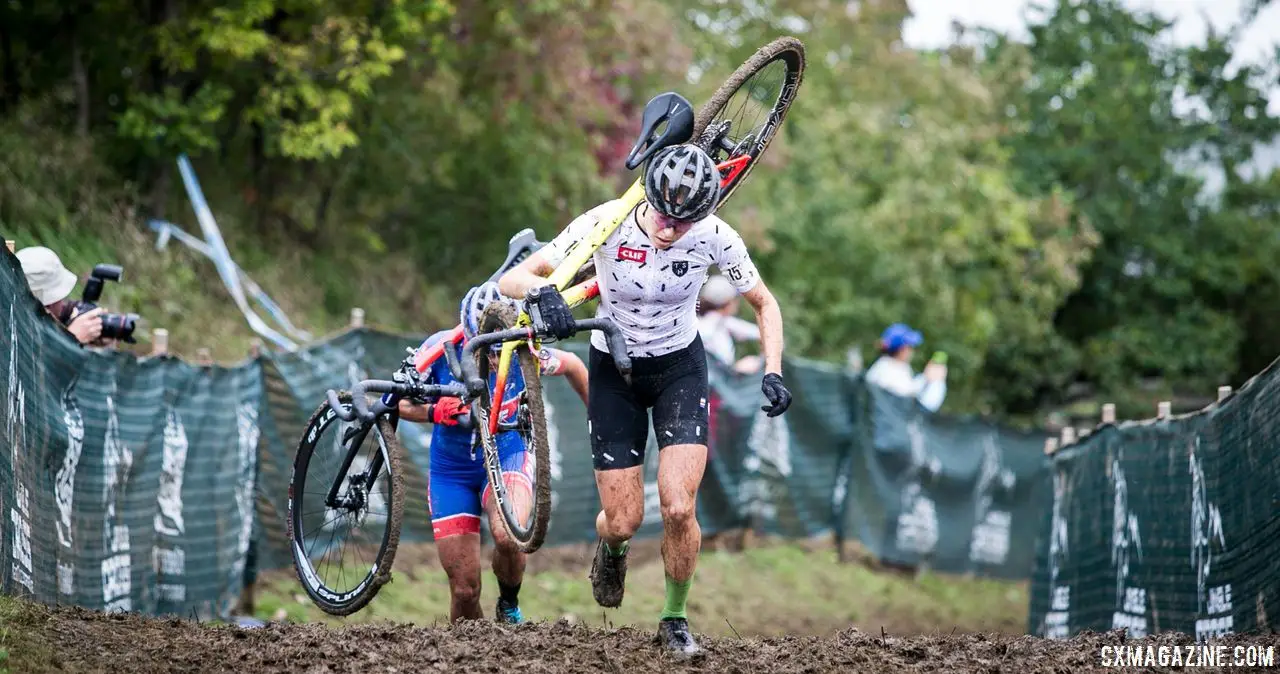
[892, 370]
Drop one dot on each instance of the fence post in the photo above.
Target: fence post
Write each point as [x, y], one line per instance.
[1109, 413]
[1164, 409]
[159, 342]
[204, 357]
[11, 245]
[357, 317]
[1068, 436]
[1223, 392]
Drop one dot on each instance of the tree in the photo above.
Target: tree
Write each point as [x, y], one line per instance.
[1097, 104]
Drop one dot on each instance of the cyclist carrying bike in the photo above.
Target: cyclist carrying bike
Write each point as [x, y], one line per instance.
[650, 271]
[458, 488]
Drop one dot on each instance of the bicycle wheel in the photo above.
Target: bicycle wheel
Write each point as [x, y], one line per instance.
[531, 425]
[726, 126]
[345, 475]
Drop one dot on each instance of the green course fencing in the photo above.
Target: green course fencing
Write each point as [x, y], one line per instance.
[960, 496]
[159, 486]
[125, 484]
[1166, 525]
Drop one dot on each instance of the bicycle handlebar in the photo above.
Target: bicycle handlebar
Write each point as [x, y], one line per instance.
[475, 385]
[464, 421]
[360, 404]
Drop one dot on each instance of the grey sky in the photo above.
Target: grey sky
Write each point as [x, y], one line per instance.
[931, 24]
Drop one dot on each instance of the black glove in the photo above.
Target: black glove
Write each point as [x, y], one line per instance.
[550, 313]
[777, 393]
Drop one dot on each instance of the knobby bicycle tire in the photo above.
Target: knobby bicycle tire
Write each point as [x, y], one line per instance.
[500, 316]
[791, 51]
[380, 572]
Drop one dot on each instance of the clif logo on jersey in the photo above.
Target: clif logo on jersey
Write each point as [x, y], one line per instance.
[632, 254]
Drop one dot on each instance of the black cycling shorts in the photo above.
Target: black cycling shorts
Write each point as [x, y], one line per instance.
[673, 385]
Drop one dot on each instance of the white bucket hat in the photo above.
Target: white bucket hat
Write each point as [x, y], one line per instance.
[717, 291]
[49, 280]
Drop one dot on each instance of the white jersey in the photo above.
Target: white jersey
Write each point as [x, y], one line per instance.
[652, 294]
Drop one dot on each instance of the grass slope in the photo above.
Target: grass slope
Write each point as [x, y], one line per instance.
[54, 192]
[766, 591]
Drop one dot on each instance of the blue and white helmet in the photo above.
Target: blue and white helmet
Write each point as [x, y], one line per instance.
[473, 306]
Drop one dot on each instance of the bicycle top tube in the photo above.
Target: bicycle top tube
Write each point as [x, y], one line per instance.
[424, 358]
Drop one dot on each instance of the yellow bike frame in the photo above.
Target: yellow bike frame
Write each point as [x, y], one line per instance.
[612, 216]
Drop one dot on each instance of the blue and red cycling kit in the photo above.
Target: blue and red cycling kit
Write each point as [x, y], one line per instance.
[457, 483]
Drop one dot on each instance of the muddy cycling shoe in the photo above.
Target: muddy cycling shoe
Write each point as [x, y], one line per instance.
[608, 572]
[673, 634]
[508, 613]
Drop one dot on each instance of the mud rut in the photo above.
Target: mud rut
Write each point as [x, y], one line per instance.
[78, 640]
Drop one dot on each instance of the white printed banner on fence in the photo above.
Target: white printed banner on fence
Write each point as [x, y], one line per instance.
[917, 529]
[117, 569]
[169, 557]
[765, 467]
[20, 513]
[1057, 620]
[247, 448]
[64, 487]
[1126, 545]
[989, 540]
[1213, 603]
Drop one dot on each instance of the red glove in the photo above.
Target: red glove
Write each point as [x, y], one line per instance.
[447, 411]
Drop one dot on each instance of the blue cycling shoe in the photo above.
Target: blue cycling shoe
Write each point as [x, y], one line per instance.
[508, 613]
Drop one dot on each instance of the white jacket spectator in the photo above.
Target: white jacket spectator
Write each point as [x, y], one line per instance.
[892, 370]
[721, 329]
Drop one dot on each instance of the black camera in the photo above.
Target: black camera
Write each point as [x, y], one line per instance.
[114, 326]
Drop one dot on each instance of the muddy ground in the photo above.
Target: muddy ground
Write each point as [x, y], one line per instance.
[43, 639]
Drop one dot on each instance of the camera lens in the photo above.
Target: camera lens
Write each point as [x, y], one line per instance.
[119, 326]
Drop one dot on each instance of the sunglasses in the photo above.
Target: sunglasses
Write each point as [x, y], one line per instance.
[665, 222]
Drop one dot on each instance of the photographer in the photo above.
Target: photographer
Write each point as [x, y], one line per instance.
[51, 283]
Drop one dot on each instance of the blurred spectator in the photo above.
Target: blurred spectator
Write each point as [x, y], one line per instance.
[51, 283]
[892, 370]
[720, 327]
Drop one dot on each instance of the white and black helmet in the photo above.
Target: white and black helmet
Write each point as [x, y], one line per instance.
[474, 303]
[682, 182]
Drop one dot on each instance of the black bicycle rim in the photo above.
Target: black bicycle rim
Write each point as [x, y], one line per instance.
[315, 528]
[754, 100]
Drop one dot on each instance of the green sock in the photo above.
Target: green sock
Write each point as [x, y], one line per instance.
[677, 593]
[618, 551]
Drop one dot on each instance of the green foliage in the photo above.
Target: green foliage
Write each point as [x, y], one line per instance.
[296, 69]
[402, 142]
[1101, 104]
[1039, 210]
[890, 198]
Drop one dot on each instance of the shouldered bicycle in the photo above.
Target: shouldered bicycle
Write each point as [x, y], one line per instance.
[358, 478]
